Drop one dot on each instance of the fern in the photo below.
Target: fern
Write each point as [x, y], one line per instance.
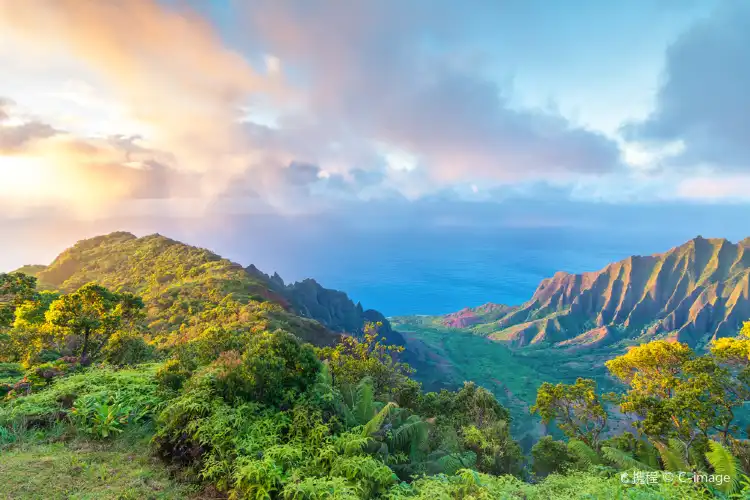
[648, 454]
[623, 459]
[376, 422]
[671, 457]
[412, 434]
[724, 464]
[584, 453]
[363, 404]
[351, 444]
[313, 488]
[452, 463]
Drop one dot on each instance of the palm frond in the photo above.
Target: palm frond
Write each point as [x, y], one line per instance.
[412, 432]
[452, 463]
[649, 455]
[376, 422]
[586, 455]
[623, 459]
[671, 458]
[724, 464]
[364, 400]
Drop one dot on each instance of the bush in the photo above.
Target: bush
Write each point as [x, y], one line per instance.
[135, 388]
[173, 374]
[42, 375]
[550, 456]
[10, 373]
[125, 348]
[103, 415]
[275, 369]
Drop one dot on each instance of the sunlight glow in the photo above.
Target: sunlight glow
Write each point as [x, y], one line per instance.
[22, 177]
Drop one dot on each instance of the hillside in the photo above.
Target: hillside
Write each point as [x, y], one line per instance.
[693, 293]
[180, 283]
[332, 308]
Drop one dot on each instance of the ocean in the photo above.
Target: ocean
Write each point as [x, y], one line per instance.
[430, 259]
[440, 270]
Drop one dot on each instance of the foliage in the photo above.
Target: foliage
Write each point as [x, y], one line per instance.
[497, 452]
[91, 315]
[135, 388]
[354, 358]
[724, 464]
[678, 395]
[550, 457]
[15, 289]
[274, 370]
[243, 404]
[127, 348]
[577, 409]
[173, 374]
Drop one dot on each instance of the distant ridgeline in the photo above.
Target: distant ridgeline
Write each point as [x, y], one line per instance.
[179, 282]
[693, 293]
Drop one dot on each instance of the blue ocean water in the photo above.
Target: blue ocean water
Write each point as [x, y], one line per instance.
[439, 270]
[432, 258]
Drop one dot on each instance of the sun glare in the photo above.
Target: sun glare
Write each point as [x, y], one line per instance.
[24, 177]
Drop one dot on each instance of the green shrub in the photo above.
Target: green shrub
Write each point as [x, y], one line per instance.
[10, 372]
[137, 388]
[275, 369]
[550, 456]
[126, 348]
[41, 376]
[103, 415]
[173, 374]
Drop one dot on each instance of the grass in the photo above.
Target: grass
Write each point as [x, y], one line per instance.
[83, 469]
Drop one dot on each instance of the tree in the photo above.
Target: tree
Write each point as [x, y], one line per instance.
[31, 336]
[577, 409]
[497, 452]
[678, 395]
[91, 315]
[734, 350]
[15, 289]
[652, 368]
[550, 456]
[353, 359]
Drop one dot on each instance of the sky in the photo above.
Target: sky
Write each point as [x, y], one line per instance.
[198, 116]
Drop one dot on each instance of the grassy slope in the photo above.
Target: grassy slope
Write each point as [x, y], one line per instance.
[179, 283]
[82, 469]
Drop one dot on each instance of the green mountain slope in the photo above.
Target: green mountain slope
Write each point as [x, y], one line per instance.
[694, 293]
[182, 285]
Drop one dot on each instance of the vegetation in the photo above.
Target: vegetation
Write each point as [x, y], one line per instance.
[232, 400]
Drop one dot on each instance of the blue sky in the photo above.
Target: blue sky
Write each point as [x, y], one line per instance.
[202, 110]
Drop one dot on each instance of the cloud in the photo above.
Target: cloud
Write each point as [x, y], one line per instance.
[43, 166]
[15, 137]
[170, 69]
[379, 70]
[318, 102]
[4, 105]
[712, 189]
[703, 101]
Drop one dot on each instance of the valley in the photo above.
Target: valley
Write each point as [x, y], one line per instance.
[228, 374]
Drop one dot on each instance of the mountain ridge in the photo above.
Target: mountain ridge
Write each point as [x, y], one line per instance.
[694, 293]
[169, 274]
